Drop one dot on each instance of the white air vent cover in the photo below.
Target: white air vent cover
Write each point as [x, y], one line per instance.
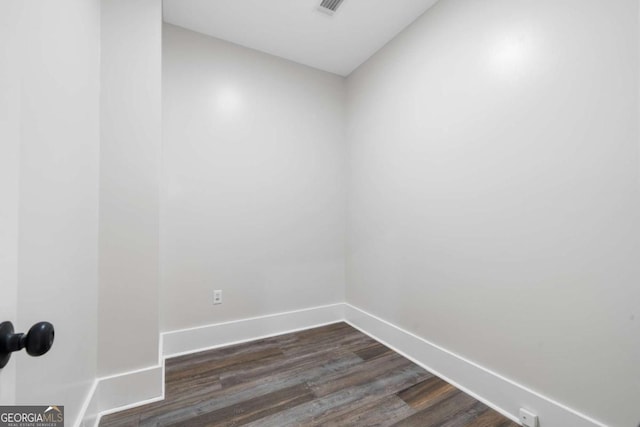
[330, 6]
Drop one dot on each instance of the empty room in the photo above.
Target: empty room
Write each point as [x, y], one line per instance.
[411, 213]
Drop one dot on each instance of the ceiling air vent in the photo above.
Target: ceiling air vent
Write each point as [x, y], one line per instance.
[330, 6]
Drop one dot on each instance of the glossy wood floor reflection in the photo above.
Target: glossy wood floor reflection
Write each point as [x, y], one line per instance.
[328, 376]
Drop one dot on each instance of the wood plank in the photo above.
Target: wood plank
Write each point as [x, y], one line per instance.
[463, 418]
[120, 419]
[196, 385]
[428, 393]
[364, 373]
[215, 367]
[379, 412]
[303, 365]
[322, 409]
[177, 363]
[251, 410]
[373, 351]
[441, 413]
[350, 341]
[491, 418]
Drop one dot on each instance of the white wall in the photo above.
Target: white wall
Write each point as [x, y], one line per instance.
[51, 147]
[50, 155]
[494, 193]
[129, 184]
[10, 13]
[254, 175]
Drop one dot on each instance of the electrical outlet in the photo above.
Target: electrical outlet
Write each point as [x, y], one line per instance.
[217, 297]
[528, 418]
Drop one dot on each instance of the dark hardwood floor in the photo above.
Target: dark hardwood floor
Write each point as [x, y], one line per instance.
[329, 376]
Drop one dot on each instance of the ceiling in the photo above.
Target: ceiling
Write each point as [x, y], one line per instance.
[297, 30]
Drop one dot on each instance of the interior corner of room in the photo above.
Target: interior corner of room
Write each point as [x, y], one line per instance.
[457, 180]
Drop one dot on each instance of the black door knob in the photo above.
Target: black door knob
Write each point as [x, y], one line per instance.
[37, 341]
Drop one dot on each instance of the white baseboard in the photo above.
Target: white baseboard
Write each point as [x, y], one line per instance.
[89, 412]
[130, 389]
[496, 391]
[123, 391]
[127, 390]
[119, 391]
[176, 343]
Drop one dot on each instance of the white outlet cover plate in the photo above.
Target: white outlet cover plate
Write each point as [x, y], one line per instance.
[217, 297]
[528, 418]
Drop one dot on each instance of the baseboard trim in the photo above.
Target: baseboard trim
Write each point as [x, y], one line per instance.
[120, 392]
[127, 390]
[186, 341]
[500, 393]
[89, 410]
[131, 389]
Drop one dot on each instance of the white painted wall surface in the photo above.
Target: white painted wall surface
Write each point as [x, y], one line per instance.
[10, 14]
[129, 184]
[52, 171]
[494, 193]
[254, 179]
